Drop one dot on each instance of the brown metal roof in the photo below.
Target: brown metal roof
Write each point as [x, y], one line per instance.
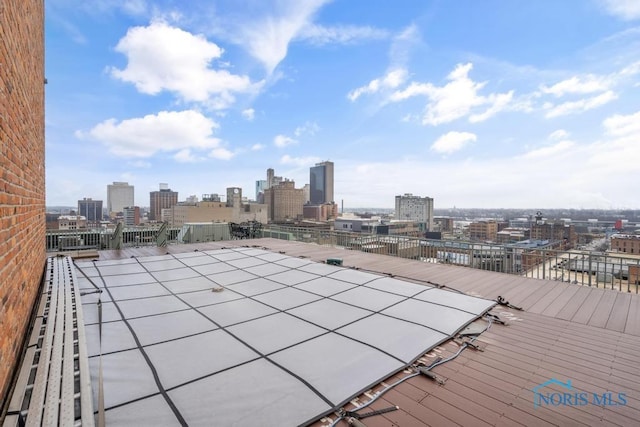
[566, 332]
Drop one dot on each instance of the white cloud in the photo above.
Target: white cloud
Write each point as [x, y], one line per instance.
[623, 126]
[581, 105]
[600, 87]
[186, 156]
[547, 177]
[372, 87]
[167, 131]
[298, 161]
[249, 114]
[267, 38]
[221, 153]
[551, 150]
[456, 99]
[578, 85]
[257, 147]
[391, 80]
[497, 103]
[558, 135]
[161, 57]
[397, 73]
[414, 89]
[277, 24]
[463, 97]
[309, 128]
[321, 35]
[394, 78]
[630, 70]
[615, 159]
[402, 45]
[453, 141]
[627, 10]
[283, 141]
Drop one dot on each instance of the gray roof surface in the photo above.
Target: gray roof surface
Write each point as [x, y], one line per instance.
[235, 341]
[566, 332]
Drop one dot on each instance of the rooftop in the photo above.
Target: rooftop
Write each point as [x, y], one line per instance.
[626, 236]
[566, 333]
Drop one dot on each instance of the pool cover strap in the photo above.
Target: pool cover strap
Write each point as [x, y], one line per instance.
[101, 418]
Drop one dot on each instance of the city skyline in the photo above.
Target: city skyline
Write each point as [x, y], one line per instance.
[474, 105]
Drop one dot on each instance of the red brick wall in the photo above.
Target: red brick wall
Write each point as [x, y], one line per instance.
[22, 189]
[634, 274]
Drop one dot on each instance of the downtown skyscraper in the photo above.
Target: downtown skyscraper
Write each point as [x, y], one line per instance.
[119, 196]
[161, 199]
[90, 209]
[415, 208]
[321, 183]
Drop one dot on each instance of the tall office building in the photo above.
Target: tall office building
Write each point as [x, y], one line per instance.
[119, 195]
[233, 210]
[162, 199]
[483, 230]
[307, 193]
[415, 208]
[90, 209]
[321, 183]
[284, 201]
[261, 185]
[273, 180]
[131, 215]
[270, 176]
[558, 233]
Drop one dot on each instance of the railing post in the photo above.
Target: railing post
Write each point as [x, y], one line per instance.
[115, 242]
[637, 279]
[161, 237]
[620, 278]
[628, 278]
[605, 272]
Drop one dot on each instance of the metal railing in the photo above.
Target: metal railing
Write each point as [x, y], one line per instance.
[73, 240]
[589, 268]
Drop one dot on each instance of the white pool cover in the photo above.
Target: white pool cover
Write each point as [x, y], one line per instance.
[284, 343]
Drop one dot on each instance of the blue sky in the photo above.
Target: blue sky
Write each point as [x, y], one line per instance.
[476, 104]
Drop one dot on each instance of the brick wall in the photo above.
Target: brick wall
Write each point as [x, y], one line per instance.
[22, 189]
